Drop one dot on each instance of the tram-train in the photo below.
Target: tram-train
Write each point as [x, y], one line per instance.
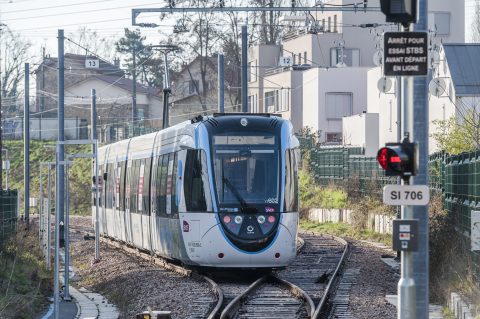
[216, 191]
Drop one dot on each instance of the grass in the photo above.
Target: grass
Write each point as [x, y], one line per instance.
[345, 230]
[80, 176]
[25, 283]
[312, 195]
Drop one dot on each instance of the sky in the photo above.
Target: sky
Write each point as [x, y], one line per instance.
[38, 21]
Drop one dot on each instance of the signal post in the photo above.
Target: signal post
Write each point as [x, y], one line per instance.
[406, 56]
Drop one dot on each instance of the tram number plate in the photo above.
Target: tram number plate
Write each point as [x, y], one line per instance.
[412, 195]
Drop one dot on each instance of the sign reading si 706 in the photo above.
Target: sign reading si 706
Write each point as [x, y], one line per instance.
[413, 195]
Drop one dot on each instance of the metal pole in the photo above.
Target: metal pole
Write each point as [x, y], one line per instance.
[420, 132]
[1, 95]
[26, 137]
[56, 286]
[59, 200]
[49, 214]
[244, 69]
[94, 151]
[66, 292]
[406, 284]
[221, 84]
[61, 136]
[97, 224]
[134, 91]
[41, 228]
[166, 92]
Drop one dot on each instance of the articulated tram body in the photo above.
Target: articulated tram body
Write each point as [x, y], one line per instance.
[218, 191]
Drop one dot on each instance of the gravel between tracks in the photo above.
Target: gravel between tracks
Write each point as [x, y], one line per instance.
[376, 279]
[132, 283]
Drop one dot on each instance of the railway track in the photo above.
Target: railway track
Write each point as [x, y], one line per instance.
[302, 290]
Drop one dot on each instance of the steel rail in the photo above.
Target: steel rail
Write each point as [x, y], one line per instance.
[328, 290]
[232, 308]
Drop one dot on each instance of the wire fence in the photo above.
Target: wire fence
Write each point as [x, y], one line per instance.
[8, 213]
[455, 177]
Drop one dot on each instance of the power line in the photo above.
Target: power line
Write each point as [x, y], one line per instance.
[74, 12]
[52, 7]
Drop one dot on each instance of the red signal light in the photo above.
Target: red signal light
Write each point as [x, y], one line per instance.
[382, 157]
[398, 159]
[395, 159]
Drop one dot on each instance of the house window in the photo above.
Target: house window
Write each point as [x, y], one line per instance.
[338, 105]
[277, 100]
[323, 25]
[270, 101]
[329, 24]
[252, 71]
[334, 138]
[351, 57]
[192, 86]
[335, 23]
[305, 57]
[252, 103]
[439, 21]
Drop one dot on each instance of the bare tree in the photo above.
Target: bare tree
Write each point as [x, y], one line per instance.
[90, 41]
[15, 53]
[476, 23]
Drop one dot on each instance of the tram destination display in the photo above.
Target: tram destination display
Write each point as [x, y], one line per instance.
[405, 54]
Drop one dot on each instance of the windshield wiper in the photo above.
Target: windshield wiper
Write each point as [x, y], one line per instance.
[235, 192]
[245, 208]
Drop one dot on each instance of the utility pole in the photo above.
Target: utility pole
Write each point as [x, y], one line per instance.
[410, 233]
[94, 151]
[61, 137]
[244, 69]
[26, 145]
[1, 122]
[221, 84]
[420, 133]
[59, 184]
[165, 49]
[134, 90]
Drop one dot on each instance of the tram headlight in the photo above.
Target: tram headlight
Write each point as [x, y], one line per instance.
[238, 219]
[261, 219]
[271, 219]
[227, 219]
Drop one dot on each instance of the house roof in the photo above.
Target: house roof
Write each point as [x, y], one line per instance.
[463, 64]
[123, 83]
[77, 61]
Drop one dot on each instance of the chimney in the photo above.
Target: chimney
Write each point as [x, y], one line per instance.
[116, 62]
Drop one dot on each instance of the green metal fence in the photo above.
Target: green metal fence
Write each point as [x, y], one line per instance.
[456, 177]
[8, 212]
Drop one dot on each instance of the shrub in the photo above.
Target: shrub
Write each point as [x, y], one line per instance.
[313, 196]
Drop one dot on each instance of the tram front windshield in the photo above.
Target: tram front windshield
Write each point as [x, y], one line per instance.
[246, 169]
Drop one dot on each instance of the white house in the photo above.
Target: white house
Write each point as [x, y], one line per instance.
[332, 62]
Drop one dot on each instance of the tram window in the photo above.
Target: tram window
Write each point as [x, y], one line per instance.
[141, 184]
[174, 184]
[195, 199]
[146, 186]
[122, 176]
[108, 185]
[161, 185]
[291, 182]
[128, 177]
[134, 186]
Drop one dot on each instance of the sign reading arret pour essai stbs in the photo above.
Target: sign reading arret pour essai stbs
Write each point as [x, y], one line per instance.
[405, 53]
